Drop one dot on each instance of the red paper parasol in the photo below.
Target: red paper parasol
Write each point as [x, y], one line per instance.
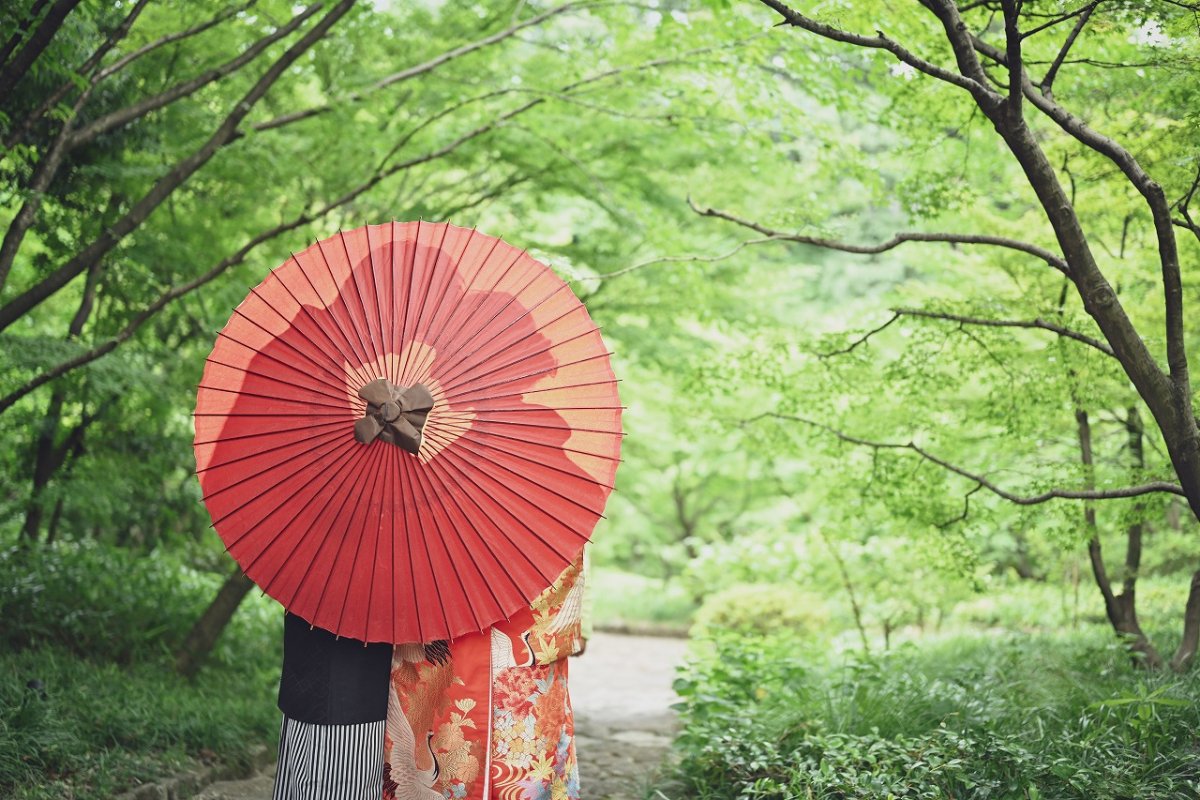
[407, 431]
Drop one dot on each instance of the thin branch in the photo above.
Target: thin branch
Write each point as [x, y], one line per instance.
[414, 71]
[674, 260]
[1024, 500]
[877, 42]
[68, 138]
[183, 89]
[178, 174]
[1150, 189]
[382, 172]
[86, 69]
[1038, 323]
[1056, 21]
[171, 38]
[860, 340]
[1187, 222]
[1084, 13]
[965, 511]
[898, 239]
[16, 69]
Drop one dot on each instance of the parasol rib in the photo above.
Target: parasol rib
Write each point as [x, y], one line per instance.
[371, 338]
[408, 527]
[262, 433]
[525, 478]
[344, 463]
[448, 459]
[291, 384]
[455, 363]
[512, 453]
[535, 373]
[528, 355]
[378, 299]
[450, 329]
[470, 435]
[517, 423]
[443, 466]
[339, 387]
[275, 397]
[556, 388]
[346, 531]
[347, 364]
[437, 495]
[422, 295]
[425, 545]
[358, 543]
[335, 369]
[426, 357]
[483, 357]
[339, 309]
[260, 450]
[293, 473]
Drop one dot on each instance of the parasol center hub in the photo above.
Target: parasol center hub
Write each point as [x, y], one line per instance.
[394, 414]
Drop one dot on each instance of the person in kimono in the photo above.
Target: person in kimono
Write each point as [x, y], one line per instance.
[486, 715]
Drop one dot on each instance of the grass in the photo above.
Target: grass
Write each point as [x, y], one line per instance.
[95, 627]
[99, 728]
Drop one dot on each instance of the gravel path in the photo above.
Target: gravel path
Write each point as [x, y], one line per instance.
[621, 691]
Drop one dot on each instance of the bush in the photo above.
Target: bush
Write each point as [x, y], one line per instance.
[112, 604]
[94, 628]
[756, 608]
[1032, 718]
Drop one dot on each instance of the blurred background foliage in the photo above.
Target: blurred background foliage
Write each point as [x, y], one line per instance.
[866, 623]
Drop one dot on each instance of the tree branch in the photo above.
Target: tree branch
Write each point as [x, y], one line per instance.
[900, 238]
[1024, 500]
[166, 185]
[15, 70]
[383, 171]
[1150, 189]
[1012, 44]
[1084, 13]
[414, 71]
[87, 68]
[183, 89]
[877, 42]
[1038, 323]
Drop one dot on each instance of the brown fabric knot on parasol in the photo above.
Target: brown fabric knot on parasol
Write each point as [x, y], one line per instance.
[394, 415]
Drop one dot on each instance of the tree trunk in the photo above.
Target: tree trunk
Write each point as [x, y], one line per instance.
[204, 634]
[1120, 609]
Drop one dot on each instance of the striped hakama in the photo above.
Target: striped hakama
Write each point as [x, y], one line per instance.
[328, 762]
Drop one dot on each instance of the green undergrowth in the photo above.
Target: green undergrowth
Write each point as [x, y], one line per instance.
[90, 703]
[93, 729]
[1029, 718]
[620, 598]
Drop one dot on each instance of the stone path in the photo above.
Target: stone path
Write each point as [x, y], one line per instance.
[621, 692]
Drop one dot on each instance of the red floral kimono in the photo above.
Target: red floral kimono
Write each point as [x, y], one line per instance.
[494, 719]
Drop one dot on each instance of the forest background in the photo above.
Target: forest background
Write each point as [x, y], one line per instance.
[897, 292]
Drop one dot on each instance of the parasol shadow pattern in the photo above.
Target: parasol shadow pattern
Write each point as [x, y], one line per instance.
[512, 466]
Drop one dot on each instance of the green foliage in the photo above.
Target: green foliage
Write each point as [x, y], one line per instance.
[1032, 717]
[102, 728]
[109, 604]
[758, 608]
[95, 625]
[620, 597]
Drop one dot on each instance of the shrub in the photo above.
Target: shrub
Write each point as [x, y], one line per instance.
[1022, 718]
[757, 608]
